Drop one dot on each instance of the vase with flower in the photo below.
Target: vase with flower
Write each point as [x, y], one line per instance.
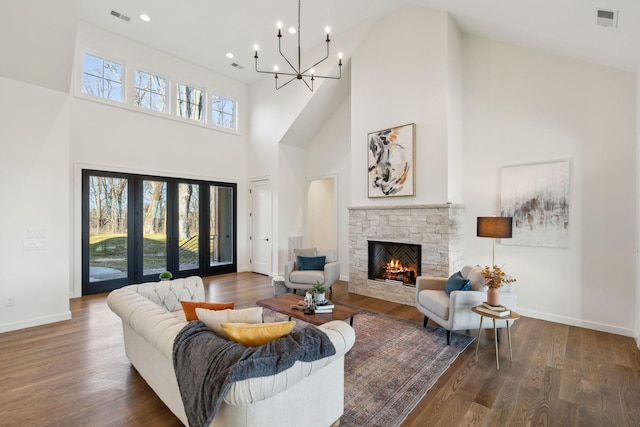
[495, 278]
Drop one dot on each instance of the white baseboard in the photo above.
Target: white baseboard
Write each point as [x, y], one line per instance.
[577, 322]
[35, 322]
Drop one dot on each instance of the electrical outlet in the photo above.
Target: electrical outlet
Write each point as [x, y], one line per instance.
[10, 301]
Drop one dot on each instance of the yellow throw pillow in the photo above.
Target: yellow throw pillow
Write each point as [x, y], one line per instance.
[189, 307]
[215, 318]
[255, 334]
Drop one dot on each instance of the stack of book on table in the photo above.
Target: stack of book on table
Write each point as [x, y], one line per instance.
[495, 310]
[326, 307]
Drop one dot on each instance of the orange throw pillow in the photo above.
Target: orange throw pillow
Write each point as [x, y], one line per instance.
[189, 307]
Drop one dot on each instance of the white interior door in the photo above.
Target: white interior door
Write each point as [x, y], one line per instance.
[260, 217]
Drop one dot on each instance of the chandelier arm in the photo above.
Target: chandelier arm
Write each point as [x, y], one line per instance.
[273, 72]
[323, 59]
[286, 59]
[310, 87]
[329, 77]
[288, 81]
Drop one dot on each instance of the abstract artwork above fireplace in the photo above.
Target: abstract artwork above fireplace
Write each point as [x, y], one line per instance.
[391, 165]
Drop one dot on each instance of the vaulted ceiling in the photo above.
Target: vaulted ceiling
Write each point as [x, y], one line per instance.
[204, 31]
[39, 35]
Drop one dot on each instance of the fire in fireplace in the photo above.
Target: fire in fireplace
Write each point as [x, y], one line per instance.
[398, 263]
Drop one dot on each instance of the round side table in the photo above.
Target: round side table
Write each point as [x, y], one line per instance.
[494, 317]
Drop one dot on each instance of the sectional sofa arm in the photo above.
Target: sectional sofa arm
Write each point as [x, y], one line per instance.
[256, 389]
[152, 322]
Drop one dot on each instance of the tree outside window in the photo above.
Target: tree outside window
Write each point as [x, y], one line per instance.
[102, 78]
[190, 102]
[150, 91]
[223, 112]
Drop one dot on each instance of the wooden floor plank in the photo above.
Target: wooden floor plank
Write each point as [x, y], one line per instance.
[76, 373]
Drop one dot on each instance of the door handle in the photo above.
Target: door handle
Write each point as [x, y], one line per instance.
[267, 239]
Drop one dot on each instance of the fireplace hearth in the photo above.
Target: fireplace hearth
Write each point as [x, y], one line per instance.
[397, 263]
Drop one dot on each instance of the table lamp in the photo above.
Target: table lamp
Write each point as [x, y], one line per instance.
[496, 227]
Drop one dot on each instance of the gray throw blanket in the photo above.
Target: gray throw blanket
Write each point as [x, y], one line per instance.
[206, 365]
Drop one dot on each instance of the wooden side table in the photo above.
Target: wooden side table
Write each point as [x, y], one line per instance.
[512, 316]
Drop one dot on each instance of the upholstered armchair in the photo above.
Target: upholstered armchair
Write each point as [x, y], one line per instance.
[453, 312]
[296, 276]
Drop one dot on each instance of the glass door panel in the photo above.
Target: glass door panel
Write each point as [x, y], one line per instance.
[134, 227]
[108, 228]
[188, 226]
[221, 227]
[154, 227]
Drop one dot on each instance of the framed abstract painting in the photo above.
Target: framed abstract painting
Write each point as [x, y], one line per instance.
[391, 165]
[537, 196]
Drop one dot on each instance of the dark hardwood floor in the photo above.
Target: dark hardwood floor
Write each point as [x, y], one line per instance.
[76, 373]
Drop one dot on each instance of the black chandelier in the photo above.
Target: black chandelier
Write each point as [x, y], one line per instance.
[308, 75]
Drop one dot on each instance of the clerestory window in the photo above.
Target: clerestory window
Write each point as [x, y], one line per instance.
[223, 112]
[190, 102]
[150, 91]
[102, 78]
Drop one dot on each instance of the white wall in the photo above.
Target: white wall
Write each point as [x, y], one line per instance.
[523, 106]
[400, 74]
[112, 138]
[38, 38]
[34, 184]
[454, 112]
[321, 213]
[329, 154]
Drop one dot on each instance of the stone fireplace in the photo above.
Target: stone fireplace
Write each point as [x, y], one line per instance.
[436, 230]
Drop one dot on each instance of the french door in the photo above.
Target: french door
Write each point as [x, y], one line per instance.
[134, 227]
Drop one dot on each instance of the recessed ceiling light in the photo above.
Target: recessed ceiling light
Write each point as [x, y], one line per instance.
[229, 55]
[145, 17]
[292, 30]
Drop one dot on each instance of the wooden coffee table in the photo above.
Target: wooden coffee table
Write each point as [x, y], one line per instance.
[282, 304]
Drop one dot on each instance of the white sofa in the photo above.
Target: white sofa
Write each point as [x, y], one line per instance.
[151, 319]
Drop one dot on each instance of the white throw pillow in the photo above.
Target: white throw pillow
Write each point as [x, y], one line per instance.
[215, 318]
[476, 279]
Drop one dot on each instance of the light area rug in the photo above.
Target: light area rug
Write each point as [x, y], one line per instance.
[392, 365]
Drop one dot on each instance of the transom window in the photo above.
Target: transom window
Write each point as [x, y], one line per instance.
[102, 78]
[114, 83]
[150, 91]
[190, 102]
[223, 112]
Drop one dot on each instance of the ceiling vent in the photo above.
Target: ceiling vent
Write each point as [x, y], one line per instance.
[238, 66]
[607, 18]
[121, 16]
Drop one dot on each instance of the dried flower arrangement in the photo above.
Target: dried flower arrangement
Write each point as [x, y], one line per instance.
[495, 277]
